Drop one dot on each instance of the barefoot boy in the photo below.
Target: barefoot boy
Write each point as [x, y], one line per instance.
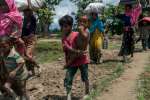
[82, 39]
[69, 41]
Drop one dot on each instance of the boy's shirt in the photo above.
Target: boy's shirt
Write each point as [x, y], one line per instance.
[68, 43]
[11, 62]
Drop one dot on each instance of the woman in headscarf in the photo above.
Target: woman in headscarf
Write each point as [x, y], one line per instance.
[96, 30]
[11, 26]
[11, 23]
[129, 19]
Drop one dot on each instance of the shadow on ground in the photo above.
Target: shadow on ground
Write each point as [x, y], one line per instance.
[138, 50]
[112, 60]
[57, 97]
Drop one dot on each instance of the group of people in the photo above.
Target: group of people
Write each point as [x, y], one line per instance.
[17, 41]
[75, 45]
[92, 32]
[132, 18]
[129, 18]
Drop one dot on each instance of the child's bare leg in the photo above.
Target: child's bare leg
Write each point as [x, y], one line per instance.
[87, 87]
[30, 67]
[8, 88]
[20, 46]
[125, 59]
[84, 76]
[21, 90]
[31, 63]
[71, 71]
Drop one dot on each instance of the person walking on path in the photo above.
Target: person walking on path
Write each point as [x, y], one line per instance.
[69, 41]
[28, 36]
[96, 29]
[129, 19]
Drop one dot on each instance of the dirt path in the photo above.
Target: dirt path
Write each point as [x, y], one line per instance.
[124, 88]
[49, 40]
[49, 86]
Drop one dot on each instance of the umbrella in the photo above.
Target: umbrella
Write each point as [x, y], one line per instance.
[147, 19]
[94, 7]
[128, 1]
[34, 4]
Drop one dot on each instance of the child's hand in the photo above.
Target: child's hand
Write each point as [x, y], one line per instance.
[81, 28]
[83, 52]
[12, 74]
[14, 35]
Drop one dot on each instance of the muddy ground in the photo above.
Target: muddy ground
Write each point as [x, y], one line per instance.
[49, 86]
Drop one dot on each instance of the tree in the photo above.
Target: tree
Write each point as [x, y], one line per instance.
[45, 19]
[45, 15]
[108, 11]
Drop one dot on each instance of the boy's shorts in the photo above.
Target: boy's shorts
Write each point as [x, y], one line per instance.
[71, 71]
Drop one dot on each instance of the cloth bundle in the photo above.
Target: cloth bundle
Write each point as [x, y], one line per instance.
[34, 4]
[94, 7]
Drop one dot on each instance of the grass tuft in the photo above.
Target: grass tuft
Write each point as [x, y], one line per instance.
[48, 51]
[144, 85]
[106, 81]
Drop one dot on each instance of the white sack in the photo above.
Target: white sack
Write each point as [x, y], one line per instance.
[35, 4]
[94, 7]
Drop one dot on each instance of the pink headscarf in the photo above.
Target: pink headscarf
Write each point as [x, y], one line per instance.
[134, 13]
[7, 20]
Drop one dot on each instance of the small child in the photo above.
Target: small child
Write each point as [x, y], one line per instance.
[82, 39]
[13, 73]
[69, 41]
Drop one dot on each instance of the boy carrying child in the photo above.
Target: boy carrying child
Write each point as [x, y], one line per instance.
[75, 54]
[13, 74]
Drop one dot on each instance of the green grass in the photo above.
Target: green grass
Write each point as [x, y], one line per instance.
[113, 46]
[106, 81]
[109, 65]
[144, 85]
[52, 51]
[48, 51]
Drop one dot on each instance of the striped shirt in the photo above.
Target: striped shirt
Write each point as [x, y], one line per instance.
[11, 63]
